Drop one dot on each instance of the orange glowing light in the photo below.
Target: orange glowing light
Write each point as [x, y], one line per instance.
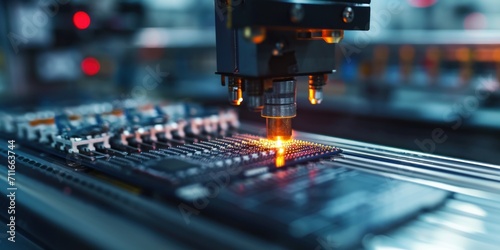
[463, 54]
[329, 39]
[280, 161]
[483, 55]
[279, 143]
[312, 97]
[280, 154]
[46, 121]
[496, 55]
[279, 146]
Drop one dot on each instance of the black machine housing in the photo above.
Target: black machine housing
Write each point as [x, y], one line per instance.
[283, 38]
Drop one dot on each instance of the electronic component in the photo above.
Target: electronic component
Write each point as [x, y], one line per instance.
[145, 140]
[241, 153]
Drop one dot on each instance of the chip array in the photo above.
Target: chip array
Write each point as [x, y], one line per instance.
[174, 143]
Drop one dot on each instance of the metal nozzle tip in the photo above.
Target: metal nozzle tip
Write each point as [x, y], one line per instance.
[315, 96]
[237, 102]
[279, 129]
[235, 96]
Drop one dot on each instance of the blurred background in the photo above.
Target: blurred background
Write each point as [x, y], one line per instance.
[425, 77]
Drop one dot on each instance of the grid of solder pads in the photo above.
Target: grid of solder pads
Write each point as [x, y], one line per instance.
[139, 142]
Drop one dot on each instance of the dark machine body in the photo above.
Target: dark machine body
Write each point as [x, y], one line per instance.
[148, 173]
[263, 45]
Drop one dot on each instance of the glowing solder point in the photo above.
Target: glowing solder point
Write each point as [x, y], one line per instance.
[279, 142]
[280, 152]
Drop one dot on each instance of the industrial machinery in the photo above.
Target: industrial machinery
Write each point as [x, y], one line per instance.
[262, 45]
[130, 174]
[121, 142]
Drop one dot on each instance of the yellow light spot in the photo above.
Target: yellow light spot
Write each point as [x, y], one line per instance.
[239, 101]
[280, 161]
[312, 97]
[280, 154]
[279, 143]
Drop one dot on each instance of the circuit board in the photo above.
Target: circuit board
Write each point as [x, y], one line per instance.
[152, 144]
[171, 166]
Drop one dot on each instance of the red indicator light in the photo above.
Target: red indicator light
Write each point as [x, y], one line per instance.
[90, 66]
[422, 3]
[81, 20]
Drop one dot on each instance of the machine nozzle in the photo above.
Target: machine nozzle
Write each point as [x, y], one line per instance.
[235, 91]
[279, 108]
[255, 95]
[279, 129]
[315, 95]
[316, 83]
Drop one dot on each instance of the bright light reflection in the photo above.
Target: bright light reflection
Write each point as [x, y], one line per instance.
[279, 147]
[280, 153]
[472, 209]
